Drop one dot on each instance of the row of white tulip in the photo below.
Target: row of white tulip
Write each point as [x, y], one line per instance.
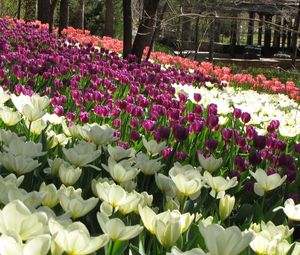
[262, 107]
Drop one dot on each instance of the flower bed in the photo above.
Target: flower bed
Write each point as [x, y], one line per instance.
[259, 82]
[100, 154]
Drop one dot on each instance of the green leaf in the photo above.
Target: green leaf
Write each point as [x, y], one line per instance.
[194, 238]
[119, 247]
[134, 250]
[290, 252]
[244, 212]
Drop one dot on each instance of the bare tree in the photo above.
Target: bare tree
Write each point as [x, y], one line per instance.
[19, 9]
[44, 11]
[295, 36]
[30, 10]
[63, 15]
[53, 4]
[109, 18]
[145, 30]
[127, 29]
[156, 29]
[79, 23]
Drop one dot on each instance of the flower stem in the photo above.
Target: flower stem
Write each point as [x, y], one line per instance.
[29, 128]
[110, 247]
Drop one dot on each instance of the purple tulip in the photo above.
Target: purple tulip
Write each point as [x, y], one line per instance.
[180, 155]
[115, 112]
[134, 135]
[291, 174]
[148, 125]
[137, 112]
[275, 123]
[226, 134]
[240, 163]
[259, 142]
[182, 98]
[249, 185]
[59, 110]
[190, 117]
[245, 117]
[164, 132]
[212, 121]
[237, 113]
[70, 116]
[212, 109]
[48, 91]
[197, 126]
[211, 144]
[180, 133]
[250, 132]
[124, 145]
[117, 123]
[285, 160]
[241, 141]
[198, 109]
[197, 97]
[281, 146]
[272, 171]
[271, 128]
[167, 152]
[297, 148]
[232, 174]
[84, 117]
[254, 158]
[173, 114]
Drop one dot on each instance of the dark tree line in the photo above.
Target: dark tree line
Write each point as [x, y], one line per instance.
[44, 11]
[145, 18]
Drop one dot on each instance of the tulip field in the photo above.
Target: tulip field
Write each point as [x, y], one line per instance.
[101, 155]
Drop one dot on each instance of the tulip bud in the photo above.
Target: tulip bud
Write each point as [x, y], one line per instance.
[259, 142]
[68, 174]
[226, 205]
[180, 133]
[51, 199]
[237, 113]
[211, 144]
[246, 117]
[197, 97]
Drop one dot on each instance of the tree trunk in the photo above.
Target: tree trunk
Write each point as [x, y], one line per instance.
[186, 24]
[284, 34]
[109, 18]
[156, 30]
[295, 37]
[260, 28]
[19, 9]
[79, 23]
[63, 15]
[145, 29]
[289, 36]
[30, 10]
[196, 42]
[268, 37]
[250, 28]
[127, 29]
[211, 40]
[217, 30]
[52, 10]
[276, 37]
[233, 38]
[44, 11]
